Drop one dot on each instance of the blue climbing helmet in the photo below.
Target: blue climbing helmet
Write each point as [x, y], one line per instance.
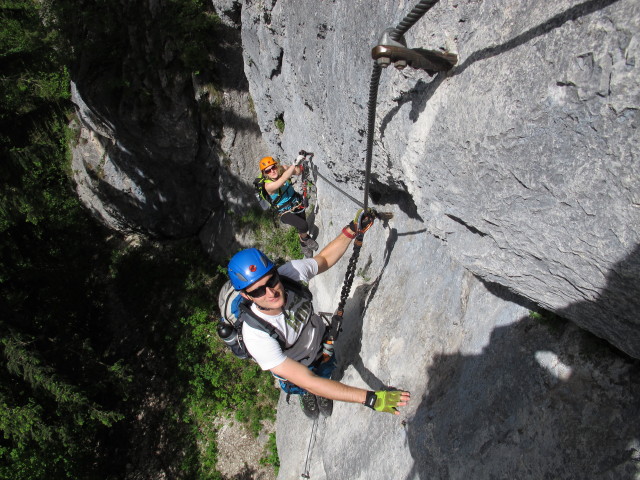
[247, 267]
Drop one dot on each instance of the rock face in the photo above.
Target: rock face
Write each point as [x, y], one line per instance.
[514, 183]
[144, 181]
[153, 134]
[495, 394]
[522, 160]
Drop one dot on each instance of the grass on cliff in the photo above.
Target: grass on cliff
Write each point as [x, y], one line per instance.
[169, 292]
[270, 456]
[280, 242]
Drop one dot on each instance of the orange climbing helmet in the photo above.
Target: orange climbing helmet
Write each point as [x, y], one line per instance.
[267, 162]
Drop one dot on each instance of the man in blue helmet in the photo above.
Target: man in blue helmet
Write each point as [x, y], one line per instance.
[296, 355]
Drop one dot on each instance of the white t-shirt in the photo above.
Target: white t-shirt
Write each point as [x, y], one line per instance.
[265, 350]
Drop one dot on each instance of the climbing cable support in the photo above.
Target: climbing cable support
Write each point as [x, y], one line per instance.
[403, 56]
[392, 48]
[396, 35]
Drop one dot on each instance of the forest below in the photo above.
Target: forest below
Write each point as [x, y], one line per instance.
[111, 366]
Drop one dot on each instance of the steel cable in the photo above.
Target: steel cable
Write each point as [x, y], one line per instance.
[409, 20]
[412, 17]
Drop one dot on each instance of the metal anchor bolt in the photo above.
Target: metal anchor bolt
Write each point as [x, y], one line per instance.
[389, 50]
[384, 62]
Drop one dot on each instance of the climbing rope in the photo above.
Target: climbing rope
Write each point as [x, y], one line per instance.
[410, 19]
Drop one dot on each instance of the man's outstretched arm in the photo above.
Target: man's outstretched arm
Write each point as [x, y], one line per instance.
[330, 254]
[300, 375]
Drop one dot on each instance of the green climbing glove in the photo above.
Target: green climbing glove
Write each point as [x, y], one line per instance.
[366, 220]
[385, 400]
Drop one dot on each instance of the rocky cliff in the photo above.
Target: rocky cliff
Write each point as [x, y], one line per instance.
[522, 160]
[514, 183]
[154, 131]
[513, 179]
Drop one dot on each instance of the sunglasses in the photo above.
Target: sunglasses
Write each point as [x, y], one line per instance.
[270, 169]
[261, 291]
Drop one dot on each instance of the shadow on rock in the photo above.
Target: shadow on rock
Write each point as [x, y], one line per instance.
[159, 169]
[544, 399]
[350, 342]
[570, 15]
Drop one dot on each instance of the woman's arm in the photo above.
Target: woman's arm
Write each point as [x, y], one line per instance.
[272, 187]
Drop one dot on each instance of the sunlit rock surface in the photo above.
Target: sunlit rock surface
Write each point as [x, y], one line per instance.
[514, 183]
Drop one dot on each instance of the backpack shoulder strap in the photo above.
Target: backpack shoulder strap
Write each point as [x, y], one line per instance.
[255, 321]
[259, 184]
[296, 287]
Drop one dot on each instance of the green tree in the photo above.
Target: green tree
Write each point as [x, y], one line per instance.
[93, 330]
[49, 303]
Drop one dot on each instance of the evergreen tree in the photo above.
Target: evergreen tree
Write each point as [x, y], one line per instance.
[73, 380]
[51, 405]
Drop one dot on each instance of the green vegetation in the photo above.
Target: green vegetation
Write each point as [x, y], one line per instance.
[110, 357]
[252, 107]
[279, 122]
[59, 387]
[97, 32]
[271, 454]
[278, 241]
[553, 322]
[209, 381]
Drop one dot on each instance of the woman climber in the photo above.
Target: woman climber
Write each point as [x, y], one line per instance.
[285, 200]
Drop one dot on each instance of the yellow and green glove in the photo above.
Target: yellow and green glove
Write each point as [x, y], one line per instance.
[384, 400]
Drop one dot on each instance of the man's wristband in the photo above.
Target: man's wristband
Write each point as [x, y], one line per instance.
[371, 399]
[347, 234]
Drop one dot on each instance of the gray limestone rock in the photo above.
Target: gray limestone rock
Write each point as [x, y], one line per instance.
[161, 150]
[495, 393]
[523, 159]
[514, 183]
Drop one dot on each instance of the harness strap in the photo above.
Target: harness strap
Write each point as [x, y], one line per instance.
[259, 323]
[290, 205]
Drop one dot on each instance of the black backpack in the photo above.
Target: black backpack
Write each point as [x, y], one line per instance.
[235, 310]
[265, 200]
